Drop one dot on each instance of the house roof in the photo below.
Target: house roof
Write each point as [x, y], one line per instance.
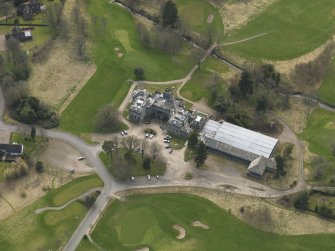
[13, 149]
[239, 138]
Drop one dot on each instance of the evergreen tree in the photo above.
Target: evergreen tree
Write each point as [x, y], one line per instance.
[246, 84]
[193, 139]
[33, 133]
[201, 154]
[170, 14]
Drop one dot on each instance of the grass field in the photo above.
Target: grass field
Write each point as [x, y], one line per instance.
[327, 89]
[137, 169]
[194, 13]
[200, 85]
[294, 28]
[109, 83]
[320, 134]
[146, 221]
[26, 230]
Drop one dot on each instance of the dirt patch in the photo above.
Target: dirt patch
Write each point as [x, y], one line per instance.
[257, 212]
[210, 18]
[119, 55]
[16, 195]
[4, 137]
[181, 230]
[330, 125]
[58, 80]
[2, 43]
[236, 14]
[199, 224]
[61, 155]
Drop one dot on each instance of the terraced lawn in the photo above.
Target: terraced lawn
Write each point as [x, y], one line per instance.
[147, 220]
[294, 28]
[116, 53]
[320, 134]
[50, 230]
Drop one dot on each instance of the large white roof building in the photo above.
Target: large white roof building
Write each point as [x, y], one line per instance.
[237, 141]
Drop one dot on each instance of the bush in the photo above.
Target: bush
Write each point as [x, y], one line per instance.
[17, 170]
[301, 201]
[151, 131]
[188, 176]
[146, 163]
[39, 167]
[139, 73]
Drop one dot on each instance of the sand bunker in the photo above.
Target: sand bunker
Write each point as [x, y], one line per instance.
[197, 223]
[142, 249]
[181, 231]
[210, 18]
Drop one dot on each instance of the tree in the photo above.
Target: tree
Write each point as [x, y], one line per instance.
[155, 151]
[147, 163]
[139, 73]
[235, 93]
[107, 146]
[130, 143]
[201, 154]
[221, 104]
[246, 84]
[6, 9]
[39, 167]
[262, 104]
[193, 139]
[170, 14]
[107, 119]
[33, 133]
[301, 201]
[280, 163]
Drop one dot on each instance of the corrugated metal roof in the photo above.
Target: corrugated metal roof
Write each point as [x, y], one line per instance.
[240, 138]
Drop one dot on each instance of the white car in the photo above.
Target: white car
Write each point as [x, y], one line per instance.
[122, 133]
[151, 136]
[132, 178]
[147, 135]
[157, 177]
[148, 176]
[81, 158]
[125, 132]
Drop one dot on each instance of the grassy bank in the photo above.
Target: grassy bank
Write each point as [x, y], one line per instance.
[50, 230]
[293, 28]
[327, 89]
[147, 220]
[320, 134]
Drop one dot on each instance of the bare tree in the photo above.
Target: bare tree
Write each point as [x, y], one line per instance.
[130, 143]
[156, 150]
[107, 119]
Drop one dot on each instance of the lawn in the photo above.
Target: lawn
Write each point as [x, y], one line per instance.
[137, 169]
[201, 83]
[146, 221]
[109, 83]
[50, 230]
[327, 90]
[28, 145]
[320, 134]
[294, 28]
[195, 14]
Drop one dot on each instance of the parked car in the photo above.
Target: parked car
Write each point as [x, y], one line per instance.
[81, 158]
[151, 136]
[147, 122]
[168, 136]
[157, 176]
[122, 133]
[148, 176]
[147, 135]
[166, 141]
[132, 178]
[125, 132]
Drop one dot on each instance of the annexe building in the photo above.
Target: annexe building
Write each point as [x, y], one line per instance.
[20, 34]
[242, 144]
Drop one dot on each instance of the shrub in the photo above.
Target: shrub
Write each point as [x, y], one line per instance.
[301, 201]
[39, 167]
